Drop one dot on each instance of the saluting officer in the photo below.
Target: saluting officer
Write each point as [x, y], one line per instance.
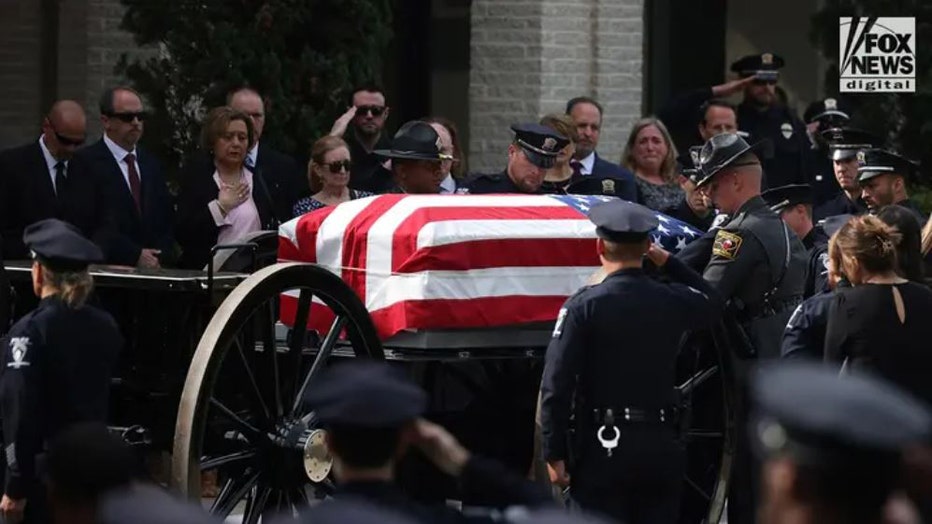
[882, 175]
[844, 144]
[793, 204]
[819, 116]
[763, 116]
[533, 151]
[56, 363]
[629, 460]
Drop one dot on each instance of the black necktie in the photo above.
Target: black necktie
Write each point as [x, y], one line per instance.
[59, 178]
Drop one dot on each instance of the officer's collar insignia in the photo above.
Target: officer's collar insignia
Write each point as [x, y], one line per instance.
[831, 104]
[862, 159]
[726, 244]
[608, 186]
[786, 130]
[766, 59]
[549, 144]
[18, 348]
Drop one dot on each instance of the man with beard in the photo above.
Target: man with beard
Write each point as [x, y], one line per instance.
[365, 120]
[844, 144]
[533, 151]
[882, 175]
[819, 116]
[761, 115]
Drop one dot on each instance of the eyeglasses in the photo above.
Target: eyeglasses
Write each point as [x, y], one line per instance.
[65, 141]
[336, 167]
[375, 111]
[128, 117]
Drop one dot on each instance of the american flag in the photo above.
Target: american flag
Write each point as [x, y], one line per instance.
[455, 261]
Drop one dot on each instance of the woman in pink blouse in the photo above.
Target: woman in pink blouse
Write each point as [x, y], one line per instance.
[220, 201]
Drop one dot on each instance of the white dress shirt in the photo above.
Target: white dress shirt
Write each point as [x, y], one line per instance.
[119, 154]
[587, 164]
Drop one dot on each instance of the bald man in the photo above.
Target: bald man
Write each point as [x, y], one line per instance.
[43, 179]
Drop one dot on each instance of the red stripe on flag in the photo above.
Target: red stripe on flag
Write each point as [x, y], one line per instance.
[483, 254]
[356, 242]
[306, 236]
[404, 241]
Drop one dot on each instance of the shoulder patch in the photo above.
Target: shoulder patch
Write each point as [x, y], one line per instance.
[726, 244]
[19, 346]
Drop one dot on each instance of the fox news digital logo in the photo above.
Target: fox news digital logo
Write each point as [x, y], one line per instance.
[878, 54]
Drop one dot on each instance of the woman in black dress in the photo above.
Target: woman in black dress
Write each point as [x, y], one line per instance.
[882, 323]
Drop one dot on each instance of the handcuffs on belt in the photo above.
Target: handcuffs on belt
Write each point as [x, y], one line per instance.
[608, 423]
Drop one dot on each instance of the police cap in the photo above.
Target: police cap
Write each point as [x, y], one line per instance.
[828, 111]
[780, 198]
[415, 140]
[833, 223]
[722, 151]
[60, 246]
[819, 417]
[875, 162]
[540, 143]
[622, 221]
[149, 504]
[365, 395]
[764, 65]
[845, 142]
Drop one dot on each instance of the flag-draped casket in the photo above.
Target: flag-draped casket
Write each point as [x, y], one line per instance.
[422, 262]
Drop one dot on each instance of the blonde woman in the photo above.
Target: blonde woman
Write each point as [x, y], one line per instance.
[328, 175]
[650, 154]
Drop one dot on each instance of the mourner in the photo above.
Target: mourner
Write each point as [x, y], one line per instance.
[622, 390]
[758, 266]
[533, 151]
[56, 364]
[587, 114]
[649, 152]
[831, 445]
[844, 144]
[328, 175]
[881, 324]
[372, 417]
[416, 157]
[794, 205]
[882, 175]
[820, 116]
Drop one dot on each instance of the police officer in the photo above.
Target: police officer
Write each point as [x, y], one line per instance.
[533, 151]
[56, 362]
[416, 159]
[764, 117]
[372, 416]
[844, 144]
[882, 175]
[819, 116]
[793, 204]
[831, 445]
[628, 457]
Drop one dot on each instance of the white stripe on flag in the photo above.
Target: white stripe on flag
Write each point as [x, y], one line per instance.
[329, 248]
[289, 230]
[446, 232]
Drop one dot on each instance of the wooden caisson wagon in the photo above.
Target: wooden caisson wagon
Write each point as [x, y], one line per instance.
[461, 291]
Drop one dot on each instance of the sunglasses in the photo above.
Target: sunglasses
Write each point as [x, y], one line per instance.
[372, 110]
[65, 141]
[128, 117]
[336, 167]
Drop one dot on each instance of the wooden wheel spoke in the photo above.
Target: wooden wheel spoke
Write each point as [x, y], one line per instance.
[326, 348]
[240, 487]
[248, 428]
[230, 458]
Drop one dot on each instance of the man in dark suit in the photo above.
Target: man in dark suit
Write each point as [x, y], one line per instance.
[284, 182]
[44, 179]
[140, 206]
[587, 115]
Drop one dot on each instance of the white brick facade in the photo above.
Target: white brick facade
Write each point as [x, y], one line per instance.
[528, 57]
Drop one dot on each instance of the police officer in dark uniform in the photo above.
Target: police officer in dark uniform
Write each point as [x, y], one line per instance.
[759, 266]
[372, 415]
[534, 150]
[416, 159]
[844, 144]
[793, 204]
[832, 445]
[764, 117]
[883, 175]
[804, 336]
[56, 362]
[628, 457]
[819, 116]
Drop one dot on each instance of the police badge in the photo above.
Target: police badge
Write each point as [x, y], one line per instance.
[549, 144]
[786, 130]
[608, 187]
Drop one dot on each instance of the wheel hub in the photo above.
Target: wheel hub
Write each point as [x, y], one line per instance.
[317, 459]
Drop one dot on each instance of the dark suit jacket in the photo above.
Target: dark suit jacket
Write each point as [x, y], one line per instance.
[603, 168]
[284, 180]
[195, 228]
[132, 231]
[27, 196]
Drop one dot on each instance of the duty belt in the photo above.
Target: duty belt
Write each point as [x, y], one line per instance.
[769, 309]
[626, 415]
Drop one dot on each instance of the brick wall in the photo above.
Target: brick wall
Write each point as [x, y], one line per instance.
[20, 71]
[528, 57]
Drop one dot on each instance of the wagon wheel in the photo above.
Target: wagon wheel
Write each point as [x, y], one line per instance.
[249, 429]
[707, 385]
